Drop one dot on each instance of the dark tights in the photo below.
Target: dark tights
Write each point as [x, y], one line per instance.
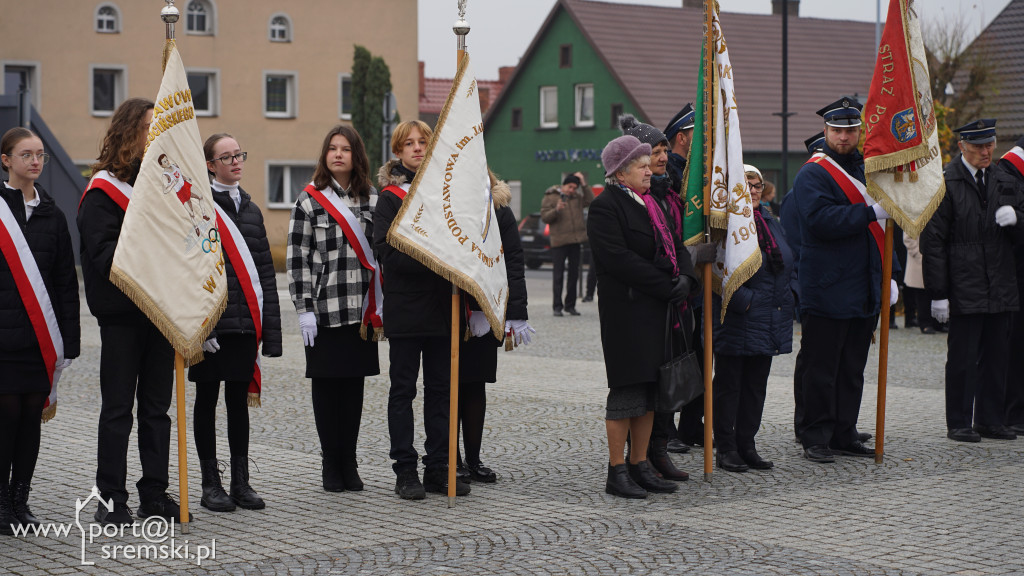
[338, 410]
[20, 426]
[204, 418]
[472, 406]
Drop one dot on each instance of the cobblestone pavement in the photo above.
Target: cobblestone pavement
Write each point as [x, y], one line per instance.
[933, 507]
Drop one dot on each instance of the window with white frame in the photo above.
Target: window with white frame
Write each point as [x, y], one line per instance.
[108, 89]
[280, 94]
[285, 180]
[21, 76]
[199, 17]
[280, 28]
[549, 107]
[584, 117]
[205, 87]
[345, 96]
[108, 19]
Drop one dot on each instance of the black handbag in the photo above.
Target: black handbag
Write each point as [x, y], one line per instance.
[680, 380]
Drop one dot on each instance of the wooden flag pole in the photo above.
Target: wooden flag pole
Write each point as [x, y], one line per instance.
[709, 107]
[883, 344]
[461, 29]
[169, 14]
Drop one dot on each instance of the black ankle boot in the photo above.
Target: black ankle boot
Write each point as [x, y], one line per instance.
[644, 475]
[19, 501]
[657, 455]
[214, 497]
[350, 475]
[7, 518]
[241, 492]
[332, 478]
[620, 484]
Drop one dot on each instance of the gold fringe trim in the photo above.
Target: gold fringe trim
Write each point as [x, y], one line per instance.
[49, 412]
[719, 220]
[191, 349]
[435, 264]
[896, 159]
[362, 331]
[377, 336]
[168, 48]
[253, 400]
[743, 272]
[467, 334]
[510, 344]
[912, 228]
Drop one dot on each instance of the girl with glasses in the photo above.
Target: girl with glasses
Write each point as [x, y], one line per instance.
[252, 318]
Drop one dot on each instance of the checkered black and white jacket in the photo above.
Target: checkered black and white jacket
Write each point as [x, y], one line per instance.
[325, 275]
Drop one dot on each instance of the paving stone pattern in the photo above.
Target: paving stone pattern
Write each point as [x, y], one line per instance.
[933, 507]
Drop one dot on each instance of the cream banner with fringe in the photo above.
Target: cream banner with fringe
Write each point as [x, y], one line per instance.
[169, 259]
[732, 211]
[906, 181]
[447, 220]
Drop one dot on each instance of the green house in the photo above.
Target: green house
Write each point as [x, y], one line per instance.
[592, 61]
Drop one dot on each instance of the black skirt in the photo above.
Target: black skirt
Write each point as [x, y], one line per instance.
[478, 359]
[341, 353]
[234, 362]
[23, 372]
[630, 401]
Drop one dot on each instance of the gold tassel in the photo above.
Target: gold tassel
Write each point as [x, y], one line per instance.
[510, 344]
[253, 400]
[466, 335]
[362, 331]
[897, 176]
[913, 176]
[49, 412]
[378, 334]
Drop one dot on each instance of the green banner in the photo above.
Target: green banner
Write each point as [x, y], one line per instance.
[693, 190]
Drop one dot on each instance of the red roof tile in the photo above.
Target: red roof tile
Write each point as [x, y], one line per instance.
[436, 92]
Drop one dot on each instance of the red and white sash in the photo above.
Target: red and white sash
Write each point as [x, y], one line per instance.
[373, 312]
[855, 192]
[36, 299]
[118, 191]
[1015, 156]
[244, 266]
[400, 191]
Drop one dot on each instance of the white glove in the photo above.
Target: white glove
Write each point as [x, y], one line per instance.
[211, 346]
[63, 365]
[478, 324]
[1006, 216]
[880, 213]
[894, 292]
[307, 323]
[521, 331]
[940, 310]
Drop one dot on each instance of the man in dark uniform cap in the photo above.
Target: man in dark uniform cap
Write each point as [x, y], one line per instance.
[970, 275]
[1013, 164]
[679, 133]
[840, 285]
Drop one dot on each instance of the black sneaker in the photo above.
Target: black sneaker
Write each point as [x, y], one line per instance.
[163, 506]
[408, 486]
[571, 312]
[436, 480]
[120, 515]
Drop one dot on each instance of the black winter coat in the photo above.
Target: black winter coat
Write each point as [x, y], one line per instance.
[968, 258]
[48, 238]
[478, 358]
[759, 321]
[99, 225]
[634, 289]
[417, 301]
[236, 318]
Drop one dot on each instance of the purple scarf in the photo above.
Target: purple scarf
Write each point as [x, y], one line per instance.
[661, 229]
[766, 241]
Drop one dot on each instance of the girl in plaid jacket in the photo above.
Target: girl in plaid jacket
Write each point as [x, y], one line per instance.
[327, 284]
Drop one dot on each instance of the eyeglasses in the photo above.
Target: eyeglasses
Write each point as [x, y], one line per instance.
[756, 186]
[27, 157]
[229, 160]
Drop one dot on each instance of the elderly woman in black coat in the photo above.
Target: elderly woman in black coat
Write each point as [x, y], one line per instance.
[758, 325]
[640, 273]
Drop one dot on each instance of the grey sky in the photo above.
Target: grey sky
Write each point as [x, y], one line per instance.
[502, 29]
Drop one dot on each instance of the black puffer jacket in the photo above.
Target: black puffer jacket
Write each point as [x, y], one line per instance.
[99, 225]
[236, 318]
[417, 302]
[48, 238]
[968, 258]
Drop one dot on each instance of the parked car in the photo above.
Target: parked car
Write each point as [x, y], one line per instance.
[535, 236]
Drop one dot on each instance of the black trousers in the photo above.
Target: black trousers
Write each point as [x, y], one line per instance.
[338, 411]
[591, 276]
[978, 350]
[739, 389]
[405, 366]
[798, 394]
[136, 363]
[1015, 374]
[835, 353]
[559, 255]
[204, 418]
